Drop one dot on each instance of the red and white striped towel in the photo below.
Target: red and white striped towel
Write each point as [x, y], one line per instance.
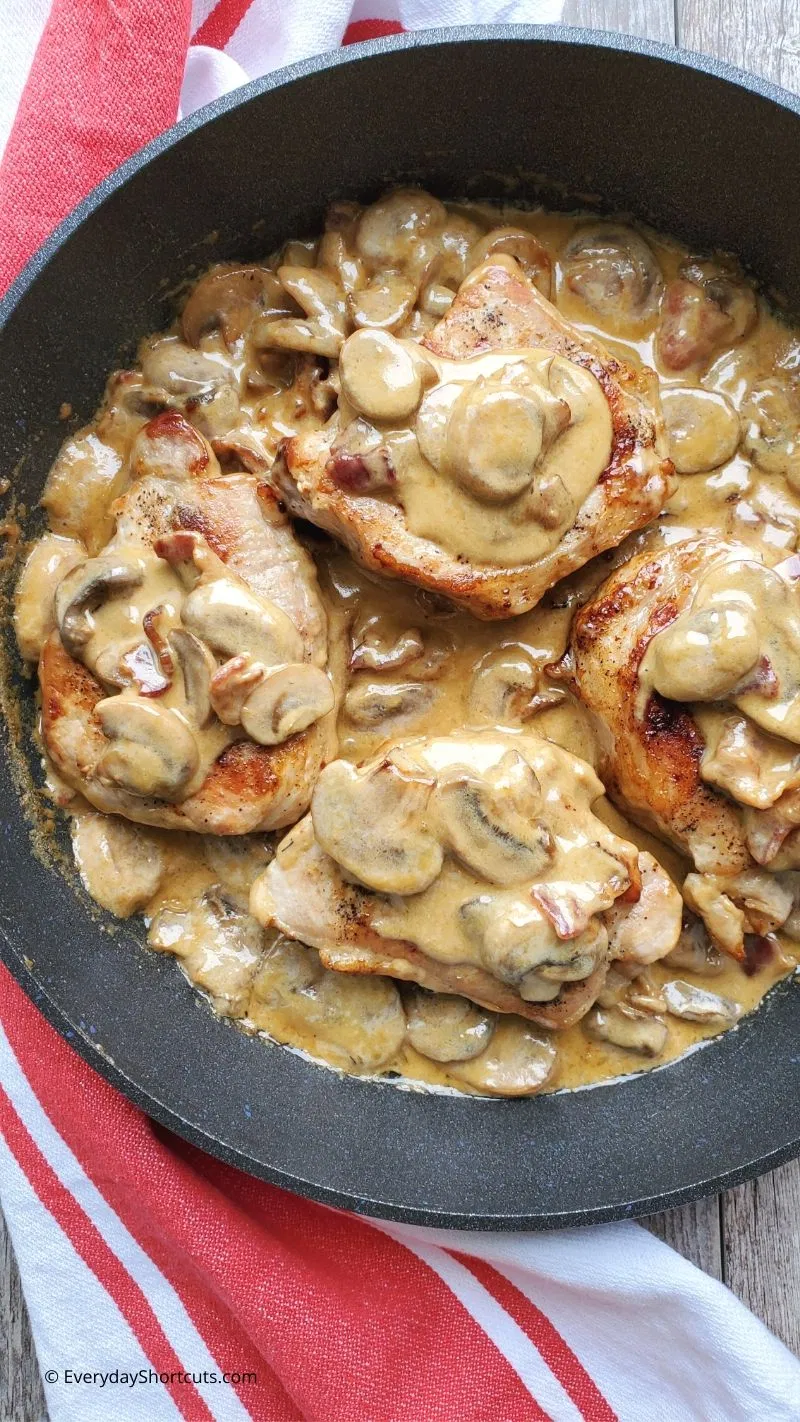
[160, 1283]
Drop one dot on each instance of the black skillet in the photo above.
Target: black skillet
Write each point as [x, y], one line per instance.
[706, 153]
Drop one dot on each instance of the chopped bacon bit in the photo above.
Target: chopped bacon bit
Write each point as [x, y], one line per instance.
[152, 631]
[567, 915]
[361, 474]
[177, 547]
[759, 951]
[762, 679]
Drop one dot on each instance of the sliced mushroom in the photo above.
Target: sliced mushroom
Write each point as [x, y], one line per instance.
[337, 258]
[616, 985]
[445, 1028]
[702, 427]
[197, 668]
[645, 995]
[230, 298]
[708, 306]
[231, 684]
[696, 1004]
[389, 232]
[694, 951]
[170, 365]
[232, 619]
[771, 419]
[83, 590]
[47, 564]
[374, 825]
[626, 1028]
[286, 701]
[381, 647]
[490, 822]
[517, 1062]
[508, 688]
[324, 325]
[791, 927]
[361, 462]
[370, 703]
[356, 1022]
[219, 946]
[615, 272]
[513, 942]
[520, 244]
[725, 921]
[382, 378]
[767, 902]
[518, 945]
[384, 303]
[573, 1001]
[120, 864]
[153, 752]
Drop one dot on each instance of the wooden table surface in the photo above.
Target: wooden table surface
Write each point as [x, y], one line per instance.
[748, 1237]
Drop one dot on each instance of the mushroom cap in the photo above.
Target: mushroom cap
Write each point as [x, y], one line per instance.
[696, 1004]
[389, 230]
[494, 439]
[381, 377]
[285, 701]
[229, 298]
[232, 619]
[153, 752]
[505, 689]
[614, 271]
[384, 303]
[47, 564]
[374, 825]
[702, 427]
[356, 1022]
[520, 244]
[372, 703]
[446, 1028]
[490, 821]
[84, 588]
[771, 420]
[702, 656]
[171, 365]
[517, 1061]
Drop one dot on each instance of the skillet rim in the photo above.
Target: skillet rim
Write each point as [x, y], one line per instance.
[14, 959]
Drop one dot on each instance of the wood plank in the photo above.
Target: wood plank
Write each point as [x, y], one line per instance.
[760, 1220]
[761, 1231]
[694, 1231]
[650, 19]
[760, 35]
[21, 1394]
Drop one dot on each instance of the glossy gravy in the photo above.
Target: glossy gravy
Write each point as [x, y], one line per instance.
[451, 671]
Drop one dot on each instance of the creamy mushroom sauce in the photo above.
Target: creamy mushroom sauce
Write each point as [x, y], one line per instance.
[409, 664]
